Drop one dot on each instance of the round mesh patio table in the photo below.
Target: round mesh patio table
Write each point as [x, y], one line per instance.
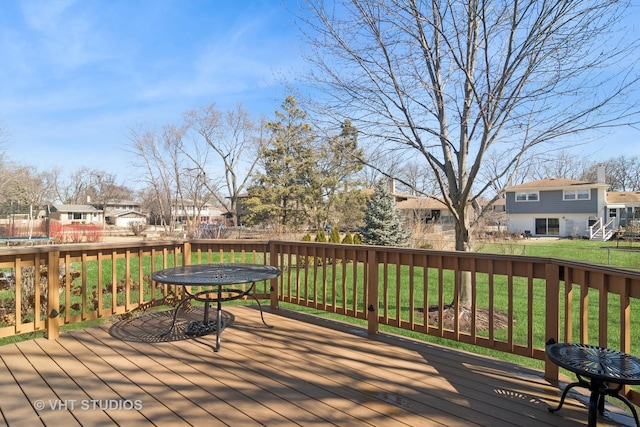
[214, 283]
[601, 370]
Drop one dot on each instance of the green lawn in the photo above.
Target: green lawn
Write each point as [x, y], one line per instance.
[618, 254]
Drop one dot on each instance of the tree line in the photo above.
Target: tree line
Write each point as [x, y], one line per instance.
[280, 173]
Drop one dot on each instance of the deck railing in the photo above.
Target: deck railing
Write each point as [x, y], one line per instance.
[517, 303]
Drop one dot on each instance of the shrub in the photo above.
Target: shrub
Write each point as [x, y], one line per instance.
[321, 236]
[335, 235]
[348, 239]
[137, 227]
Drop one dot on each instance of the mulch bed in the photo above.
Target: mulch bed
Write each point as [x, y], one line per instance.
[500, 319]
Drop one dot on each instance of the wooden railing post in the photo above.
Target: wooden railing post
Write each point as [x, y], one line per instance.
[552, 308]
[273, 285]
[372, 291]
[186, 253]
[53, 295]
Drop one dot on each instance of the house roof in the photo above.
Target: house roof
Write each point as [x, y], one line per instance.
[123, 213]
[554, 183]
[123, 203]
[75, 208]
[420, 204]
[623, 197]
[398, 196]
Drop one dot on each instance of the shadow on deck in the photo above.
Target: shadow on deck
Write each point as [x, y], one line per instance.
[303, 371]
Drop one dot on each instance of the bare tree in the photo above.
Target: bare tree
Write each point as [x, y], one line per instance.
[178, 192]
[559, 164]
[235, 139]
[622, 173]
[74, 188]
[87, 185]
[419, 177]
[451, 81]
[25, 185]
[148, 149]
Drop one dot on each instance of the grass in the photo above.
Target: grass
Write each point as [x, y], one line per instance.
[624, 254]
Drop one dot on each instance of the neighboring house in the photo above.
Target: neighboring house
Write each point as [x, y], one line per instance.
[417, 209]
[188, 213]
[565, 207]
[123, 213]
[624, 206]
[121, 205]
[124, 218]
[77, 214]
[422, 209]
[498, 207]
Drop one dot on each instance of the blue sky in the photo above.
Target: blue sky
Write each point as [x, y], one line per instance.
[77, 76]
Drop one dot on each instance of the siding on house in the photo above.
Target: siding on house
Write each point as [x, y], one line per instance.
[551, 201]
[70, 214]
[551, 214]
[569, 225]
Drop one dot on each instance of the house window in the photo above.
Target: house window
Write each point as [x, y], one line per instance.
[527, 197]
[548, 226]
[577, 195]
[76, 216]
[613, 212]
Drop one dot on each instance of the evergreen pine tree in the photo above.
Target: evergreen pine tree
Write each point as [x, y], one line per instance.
[382, 225]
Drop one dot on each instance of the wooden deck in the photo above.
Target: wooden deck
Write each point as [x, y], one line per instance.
[304, 371]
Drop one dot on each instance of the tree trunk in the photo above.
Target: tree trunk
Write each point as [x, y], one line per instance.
[464, 244]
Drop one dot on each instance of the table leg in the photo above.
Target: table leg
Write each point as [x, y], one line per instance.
[564, 394]
[593, 408]
[175, 316]
[630, 405]
[261, 314]
[206, 312]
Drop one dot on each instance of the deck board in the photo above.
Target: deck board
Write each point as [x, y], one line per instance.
[304, 371]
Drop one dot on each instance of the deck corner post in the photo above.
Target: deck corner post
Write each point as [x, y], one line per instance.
[186, 253]
[372, 292]
[53, 295]
[273, 285]
[552, 309]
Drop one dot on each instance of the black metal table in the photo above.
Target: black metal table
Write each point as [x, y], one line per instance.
[601, 370]
[215, 284]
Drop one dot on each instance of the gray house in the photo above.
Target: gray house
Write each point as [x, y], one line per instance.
[566, 207]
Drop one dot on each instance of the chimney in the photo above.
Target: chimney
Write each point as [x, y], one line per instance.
[601, 178]
[392, 185]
